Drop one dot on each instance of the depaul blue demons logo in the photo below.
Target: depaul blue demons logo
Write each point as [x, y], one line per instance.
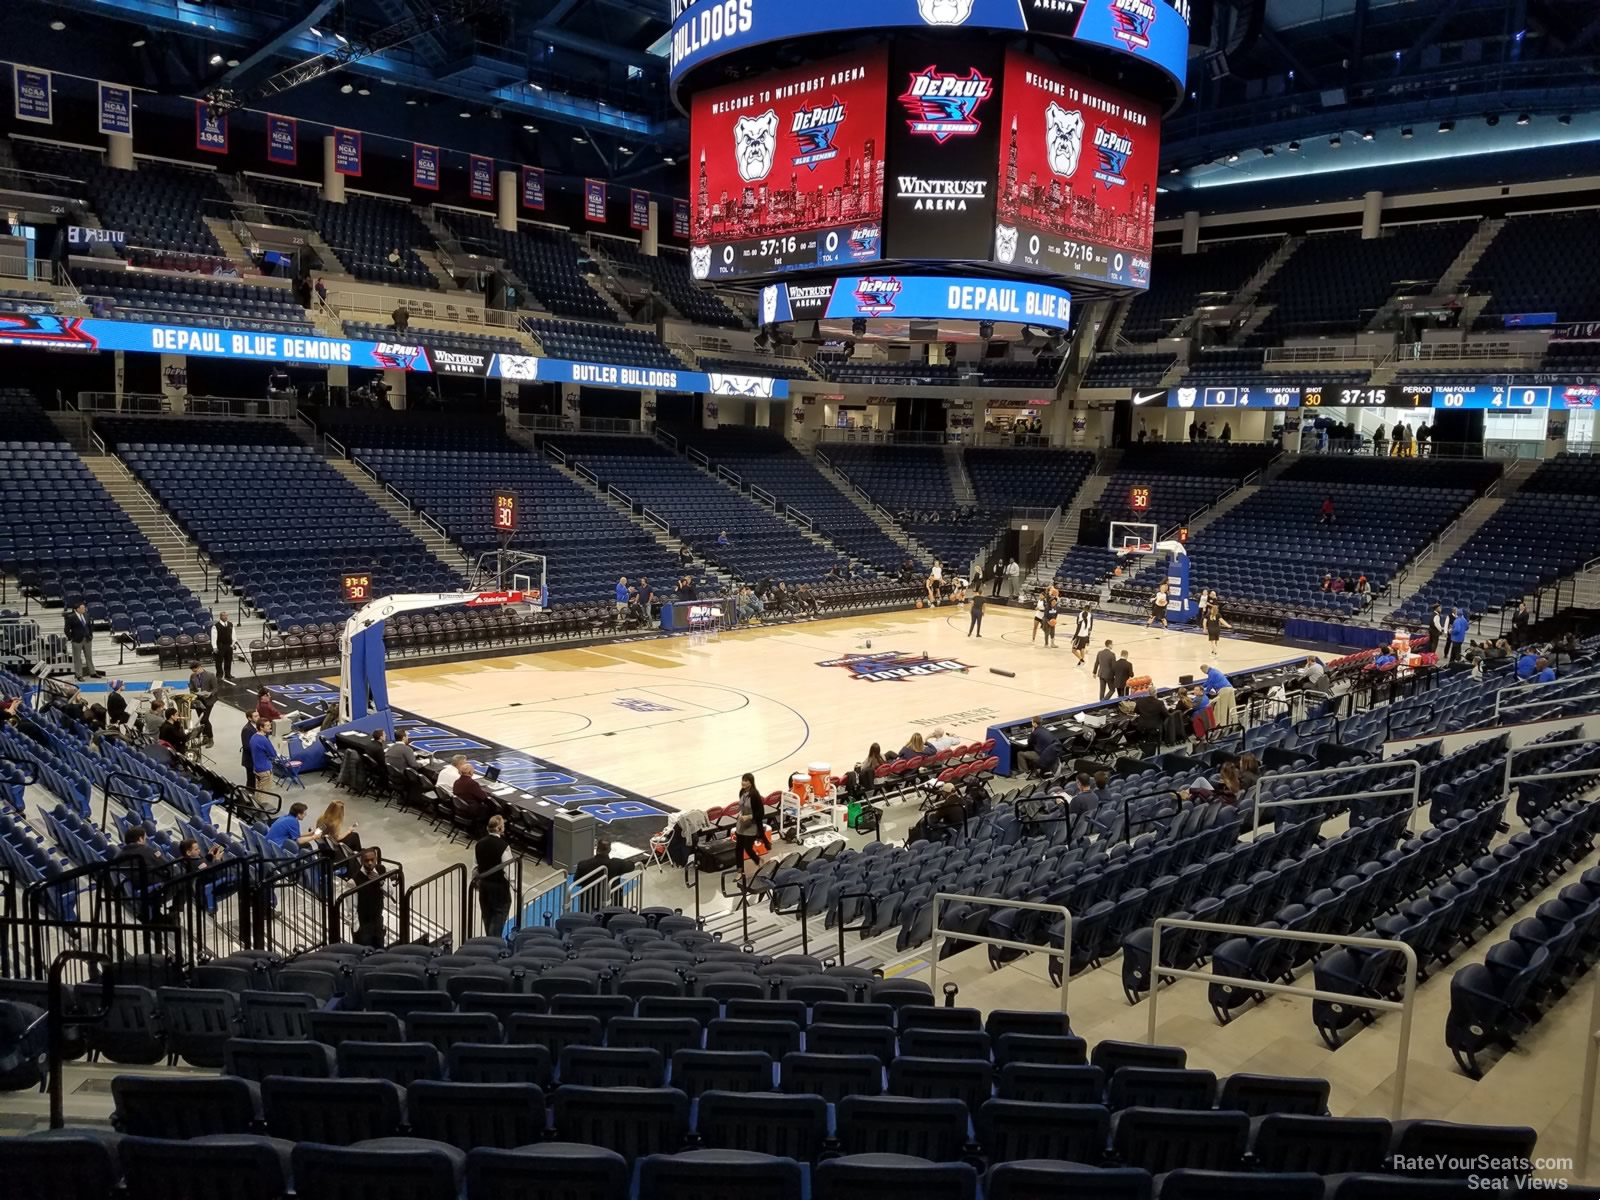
[875, 295]
[814, 128]
[1112, 150]
[943, 105]
[894, 666]
[864, 241]
[1131, 21]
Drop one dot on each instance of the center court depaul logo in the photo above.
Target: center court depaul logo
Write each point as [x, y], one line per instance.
[894, 666]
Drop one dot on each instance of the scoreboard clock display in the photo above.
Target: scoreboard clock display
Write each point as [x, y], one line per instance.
[1139, 499]
[505, 512]
[358, 588]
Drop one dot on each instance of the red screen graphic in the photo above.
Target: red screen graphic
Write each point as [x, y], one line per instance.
[794, 151]
[1077, 167]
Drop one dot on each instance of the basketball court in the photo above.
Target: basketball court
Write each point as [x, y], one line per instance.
[679, 719]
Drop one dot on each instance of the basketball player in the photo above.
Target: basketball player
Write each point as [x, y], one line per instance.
[1082, 632]
[1158, 607]
[1214, 622]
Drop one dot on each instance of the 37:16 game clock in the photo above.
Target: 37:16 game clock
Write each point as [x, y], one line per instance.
[505, 512]
[357, 588]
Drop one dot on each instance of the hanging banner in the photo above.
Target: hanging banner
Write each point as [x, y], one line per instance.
[638, 209]
[283, 140]
[210, 129]
[680, 218]
[425, 167]
[347, 151]
[480, 178]
[533, 188]
[594, 200]
[32, 89]
[116, 109]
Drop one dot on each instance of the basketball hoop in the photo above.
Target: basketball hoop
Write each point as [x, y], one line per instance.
[1134, 548]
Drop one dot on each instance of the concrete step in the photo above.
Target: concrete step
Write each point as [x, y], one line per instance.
[441, 546]
[232, 248]
[1415, 574]
[1066, 534]
[960, 482]
[889, 526]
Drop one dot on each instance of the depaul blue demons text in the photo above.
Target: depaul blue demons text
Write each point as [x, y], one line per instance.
[893, 666]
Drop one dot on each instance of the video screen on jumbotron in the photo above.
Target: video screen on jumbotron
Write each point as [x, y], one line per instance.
[786, 170]
[1077, 188]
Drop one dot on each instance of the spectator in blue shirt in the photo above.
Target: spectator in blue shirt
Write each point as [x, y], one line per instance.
[1527, 665]
[1458, 633]
[1546, 673]
[286, 829]
[722, 538]
[1215, 679]
[1199, 700]
[622, 595]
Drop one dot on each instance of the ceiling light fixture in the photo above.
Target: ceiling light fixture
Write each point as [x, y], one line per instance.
[1294, 147]
[316, 33]
[233, 62]
[464, 113]
[58, 26]
[1564, 119]
[412, 100]
[137, 42]
[578, 137]
[1408, 133]
[363, 91]
[1335, 141]
[346, 89]
[215, 59]
[669, 160]
[1446, 126]
[1367, 135]
[1492, 120]
[1173, 170]
[530, 129]
[1523, 118]
[1267, 152]
[341, 39]
[1234, 157]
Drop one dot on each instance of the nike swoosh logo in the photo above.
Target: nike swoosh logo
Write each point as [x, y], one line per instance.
[1138, 399]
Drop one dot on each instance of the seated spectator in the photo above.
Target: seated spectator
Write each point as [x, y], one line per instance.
[1543, 671]
[615, 868]
[171, 732]
[472, 802]
[914, 748]
[722, 538]
[1084, 798]
[1327, 581]
[1527, 664]
[1314, 673]
[445, 781]
[1044, 750]
[1249, 768]
[331, 825]
[136, 847]
[285, 831]
[943, 741]
[1338, 584]
[806, 600]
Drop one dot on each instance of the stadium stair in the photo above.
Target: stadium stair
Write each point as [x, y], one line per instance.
[441, 546]
[960, 481]
[1066, 534]
[232, 249]
[1455, 275]
[879, 517]
[815, 538]
[600, 289]
[1414, 576]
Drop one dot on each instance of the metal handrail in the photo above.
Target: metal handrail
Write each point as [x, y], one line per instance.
[579, 892]
[1414, 791]
[1530, 687]
[1591, 1067]
[1513, 751]
[1404, 1005]
[1003, 943]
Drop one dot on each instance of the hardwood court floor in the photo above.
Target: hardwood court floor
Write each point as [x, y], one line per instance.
[680, 719]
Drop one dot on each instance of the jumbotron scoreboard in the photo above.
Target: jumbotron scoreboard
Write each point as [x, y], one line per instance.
[876, 146]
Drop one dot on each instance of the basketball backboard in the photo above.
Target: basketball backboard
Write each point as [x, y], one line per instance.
[1133, 537]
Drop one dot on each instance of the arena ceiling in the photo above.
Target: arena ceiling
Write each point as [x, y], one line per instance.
[1283, 90]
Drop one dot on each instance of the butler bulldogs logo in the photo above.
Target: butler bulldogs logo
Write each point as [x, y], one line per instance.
[769, 305]
[1005, 243]
[755, 144]
[1131, 21]
[1187, 397]
[944, 12]
[1113, 150]
[814, 130]
[944, 106]
[521, 367]
[893, 666]
[699, 261]
[875, 296]
[1063, 139]
[740, 385]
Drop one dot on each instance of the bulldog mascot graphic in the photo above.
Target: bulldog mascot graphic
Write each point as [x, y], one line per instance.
[755, 145]
[1063, 139]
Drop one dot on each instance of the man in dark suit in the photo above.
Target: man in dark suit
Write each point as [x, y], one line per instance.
[1105, 668]
[369, 900]
[1121, 673]
[80, 633]
[1044, 750]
